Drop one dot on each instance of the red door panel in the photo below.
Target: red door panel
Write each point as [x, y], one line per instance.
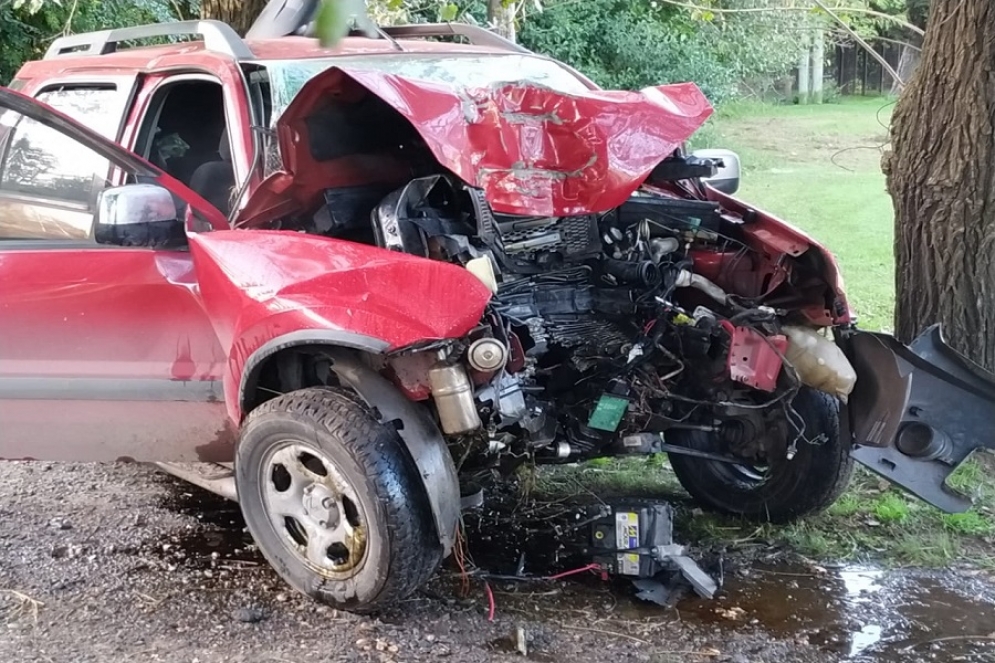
[105, 354]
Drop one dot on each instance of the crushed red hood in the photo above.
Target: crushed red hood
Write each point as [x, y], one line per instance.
[532, 150]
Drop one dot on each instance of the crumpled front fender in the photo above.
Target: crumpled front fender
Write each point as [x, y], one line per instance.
[258, 285]
[917, 412]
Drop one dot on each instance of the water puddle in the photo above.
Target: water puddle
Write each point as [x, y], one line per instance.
[864, 639]
[857, 613]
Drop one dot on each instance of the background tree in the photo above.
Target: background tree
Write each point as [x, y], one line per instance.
[917, 12]
[942, 182]
[237, 13]
[27, 27]
[633, 43]
[501, 17]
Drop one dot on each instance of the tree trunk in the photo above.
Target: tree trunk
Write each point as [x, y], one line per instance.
[501, 16]
[804, 69]
[237, 13]
[918, 13]
[907, 62]
[942, 182]
[818, 64]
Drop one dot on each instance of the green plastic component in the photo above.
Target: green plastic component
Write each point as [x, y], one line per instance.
[608, 413]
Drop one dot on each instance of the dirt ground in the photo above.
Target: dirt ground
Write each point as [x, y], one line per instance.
[118, 562]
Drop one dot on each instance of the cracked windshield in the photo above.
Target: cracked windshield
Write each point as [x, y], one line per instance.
[287, 78]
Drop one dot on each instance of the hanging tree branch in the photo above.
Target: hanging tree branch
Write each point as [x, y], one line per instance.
[867, 47]
[887, 40]
[754, 10]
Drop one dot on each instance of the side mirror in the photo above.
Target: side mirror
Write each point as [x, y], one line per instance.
[138, 215]
[726, 179]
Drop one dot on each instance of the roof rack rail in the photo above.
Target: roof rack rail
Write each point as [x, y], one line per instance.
[218, 37]
[473, 33]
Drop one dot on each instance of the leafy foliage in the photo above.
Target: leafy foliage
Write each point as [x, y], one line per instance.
[27, 27]
[631, 44]
[723, 45]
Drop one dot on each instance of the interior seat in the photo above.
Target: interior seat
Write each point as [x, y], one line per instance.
[214, 180]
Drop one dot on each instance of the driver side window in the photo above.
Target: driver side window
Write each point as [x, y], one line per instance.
[49, 182]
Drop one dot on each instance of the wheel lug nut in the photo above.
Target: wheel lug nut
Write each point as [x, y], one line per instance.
[327, 502]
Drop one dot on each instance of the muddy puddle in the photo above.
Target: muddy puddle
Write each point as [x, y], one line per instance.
[856, 613]
[219, 549]
[859, 613]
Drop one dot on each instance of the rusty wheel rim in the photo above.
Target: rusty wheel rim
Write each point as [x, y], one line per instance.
[314, 509]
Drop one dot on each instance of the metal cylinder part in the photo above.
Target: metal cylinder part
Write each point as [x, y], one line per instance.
[487, 354]
[453, 394]
[922, 441]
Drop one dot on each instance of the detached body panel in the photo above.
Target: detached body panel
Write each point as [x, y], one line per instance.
[918, 412]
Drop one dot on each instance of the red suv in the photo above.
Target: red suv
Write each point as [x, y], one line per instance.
[332, 284]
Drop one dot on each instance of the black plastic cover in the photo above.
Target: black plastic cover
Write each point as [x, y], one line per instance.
[916, 413]
[675, 213]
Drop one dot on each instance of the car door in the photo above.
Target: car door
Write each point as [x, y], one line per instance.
[106, 352]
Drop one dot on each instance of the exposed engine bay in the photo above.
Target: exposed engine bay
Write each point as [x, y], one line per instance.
[605, 330]
[671, 308]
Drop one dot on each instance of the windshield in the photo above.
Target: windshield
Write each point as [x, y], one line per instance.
[287, 77]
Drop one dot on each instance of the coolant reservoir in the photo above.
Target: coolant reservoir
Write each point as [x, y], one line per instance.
[819, 361]
[483, 269]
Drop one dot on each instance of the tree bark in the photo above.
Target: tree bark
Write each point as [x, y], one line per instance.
[941, 176]
[501, 16]
[237, 13]
[907, 62]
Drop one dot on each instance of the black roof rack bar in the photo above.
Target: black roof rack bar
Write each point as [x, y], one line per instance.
[218, 37]
[473, 33]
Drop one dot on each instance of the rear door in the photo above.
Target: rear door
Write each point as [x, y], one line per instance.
[105, 352]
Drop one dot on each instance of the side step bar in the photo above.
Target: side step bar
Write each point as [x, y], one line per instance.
[217, 478]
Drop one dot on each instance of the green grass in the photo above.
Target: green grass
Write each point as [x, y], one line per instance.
[872, 521]
[818, 167]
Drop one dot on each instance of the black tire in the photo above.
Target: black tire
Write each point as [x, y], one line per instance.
[806, 484]
[389, 507]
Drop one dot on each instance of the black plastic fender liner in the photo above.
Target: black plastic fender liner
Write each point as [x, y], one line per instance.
[418, 432]
[917, 412]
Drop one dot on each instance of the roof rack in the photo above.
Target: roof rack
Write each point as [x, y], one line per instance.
[472, 33]
[218, 37]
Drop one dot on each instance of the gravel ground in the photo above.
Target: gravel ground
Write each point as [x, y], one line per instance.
[119, 562]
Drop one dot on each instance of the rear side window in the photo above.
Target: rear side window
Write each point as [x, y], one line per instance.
[96, 107]
[43, 163]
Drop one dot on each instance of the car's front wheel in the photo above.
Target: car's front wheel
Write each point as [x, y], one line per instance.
[334, 501]
[787, 487]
